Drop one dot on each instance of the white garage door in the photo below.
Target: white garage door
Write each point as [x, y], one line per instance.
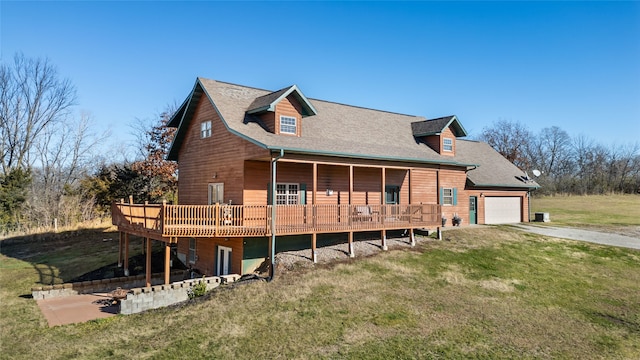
[501, 210]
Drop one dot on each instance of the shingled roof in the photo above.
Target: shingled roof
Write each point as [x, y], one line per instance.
[268, 102]
[336, 129]
[493, 169]
[437, 126]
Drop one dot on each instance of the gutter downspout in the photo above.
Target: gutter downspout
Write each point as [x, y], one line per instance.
[273, 215]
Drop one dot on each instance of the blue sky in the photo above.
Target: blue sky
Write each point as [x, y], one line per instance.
[571, 64]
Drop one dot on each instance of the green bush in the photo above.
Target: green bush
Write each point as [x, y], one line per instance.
[197, 290]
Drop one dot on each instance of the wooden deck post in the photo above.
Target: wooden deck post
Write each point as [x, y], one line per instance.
[352, 253]
[350, 213]
[314, 197]
[167, 263]
[148, 264]
[314, 253]
[126, 254]
[413, 237]
[383, 199]
[315, 184]
[120, 249]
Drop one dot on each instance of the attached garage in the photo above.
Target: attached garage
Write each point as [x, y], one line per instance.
[502, 210]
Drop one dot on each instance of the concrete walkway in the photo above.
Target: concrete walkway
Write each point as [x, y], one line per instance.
[76, 309]
[583, 235]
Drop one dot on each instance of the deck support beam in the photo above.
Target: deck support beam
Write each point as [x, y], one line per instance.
[126, 254]
[412, 236]
[314, 252]
[120, 235]
[167, 263]
[352, 252]
[148, 263]
[384, 240]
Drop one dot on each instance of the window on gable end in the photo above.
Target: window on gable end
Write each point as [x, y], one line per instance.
[447, 144]
[288, 125]
[205, 129]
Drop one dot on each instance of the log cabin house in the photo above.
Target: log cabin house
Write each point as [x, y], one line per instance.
[262, 172]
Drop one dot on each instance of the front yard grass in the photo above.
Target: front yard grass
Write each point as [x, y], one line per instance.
[480, 293]
[616, 213]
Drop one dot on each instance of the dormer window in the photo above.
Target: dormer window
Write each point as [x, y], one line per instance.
[447, 144]
[288, 125]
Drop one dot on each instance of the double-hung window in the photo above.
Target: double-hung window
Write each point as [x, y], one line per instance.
[447, 196]
[447, 144]
[205, 129]
[287, 194]
[288, 125]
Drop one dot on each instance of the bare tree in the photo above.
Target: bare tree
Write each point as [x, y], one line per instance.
[511, 139]
[32, 97]
[65, 156]
[551, 153]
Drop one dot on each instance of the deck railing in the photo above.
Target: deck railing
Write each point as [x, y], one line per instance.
[255, 220]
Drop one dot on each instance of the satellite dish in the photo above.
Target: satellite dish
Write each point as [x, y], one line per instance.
[536, 172]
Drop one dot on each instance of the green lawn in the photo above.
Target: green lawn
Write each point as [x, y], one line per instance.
[480, 293]
[606, 212]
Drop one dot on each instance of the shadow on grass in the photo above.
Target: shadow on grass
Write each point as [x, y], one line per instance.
[81, 255]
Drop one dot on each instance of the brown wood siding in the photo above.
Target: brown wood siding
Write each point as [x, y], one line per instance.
[432, 141]
[288, 107]
[256, 179]
[447, 133]
[424, 186]
[398, 177]
[183, 248]
[216, 159]
[436, 142]
[451, 177]
[295, 173]
[335, 178]
[367, 183]
[269, 120]
[206, 252]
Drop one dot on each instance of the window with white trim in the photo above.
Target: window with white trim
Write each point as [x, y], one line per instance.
[447, 144]
[288, 125]
[205, 129]
[192, 250]
[287, 194]
[447, 196]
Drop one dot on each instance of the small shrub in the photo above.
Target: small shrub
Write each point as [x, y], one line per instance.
[197, 290]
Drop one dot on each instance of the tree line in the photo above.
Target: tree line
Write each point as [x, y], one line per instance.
[567, 165]
[50, 171]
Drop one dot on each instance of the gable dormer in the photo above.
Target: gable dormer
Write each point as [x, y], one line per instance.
[282, 111]
[439, 134]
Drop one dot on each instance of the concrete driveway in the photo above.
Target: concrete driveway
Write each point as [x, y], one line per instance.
[583, 235]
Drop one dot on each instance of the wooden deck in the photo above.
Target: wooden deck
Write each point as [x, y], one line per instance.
[166, 222]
